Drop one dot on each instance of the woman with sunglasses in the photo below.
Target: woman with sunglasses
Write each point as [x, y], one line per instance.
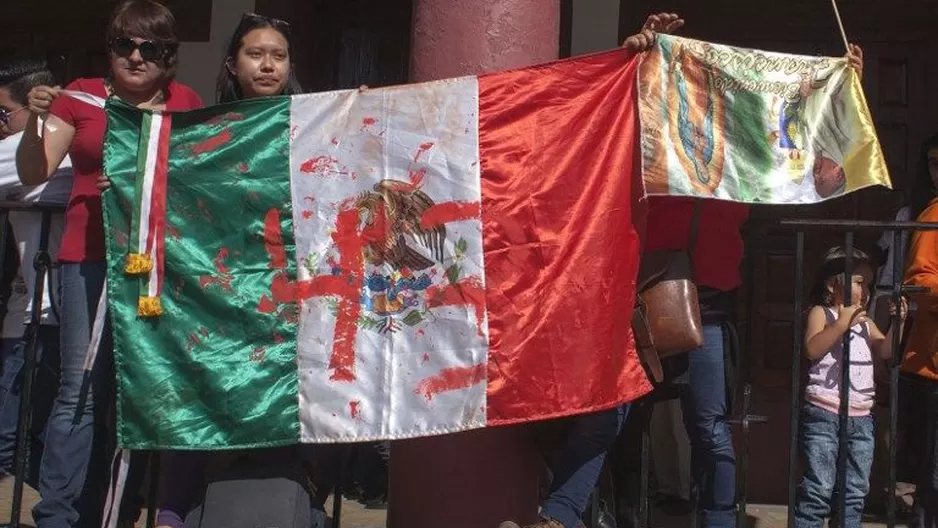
[258, 62]
[142, 42]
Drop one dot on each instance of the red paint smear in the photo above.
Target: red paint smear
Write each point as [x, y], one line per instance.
[225, 118]
[318, 165]
[243, 167]
[177, 287]
[467, 292]
[444, 213]
[452, 379]
[277, 338]
[126, 206]
[204, 210]
[204, 332]
[273, 240]
[192, 341]
[407, 187]
[266, 306]
[350, 246]
[323, 165]
[258, 355]
[307, 214]
[220, 260]
[224, 282]
[355, 409]
[335, 141]
[172, 231]
[425, 358]
[290, 314]
[347, 286]
[224, 274]
[282, 289]
[120, 238]
[368, 121]
[416, 177]
[212, 143]
[423, 148]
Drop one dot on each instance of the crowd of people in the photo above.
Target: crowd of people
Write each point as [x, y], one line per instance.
[51, 150]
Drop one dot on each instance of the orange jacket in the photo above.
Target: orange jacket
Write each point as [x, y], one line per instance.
[921, 355]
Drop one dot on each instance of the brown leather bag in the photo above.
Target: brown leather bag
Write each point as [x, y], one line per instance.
[666, 319]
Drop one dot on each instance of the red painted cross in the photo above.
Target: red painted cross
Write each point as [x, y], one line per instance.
[350, 242]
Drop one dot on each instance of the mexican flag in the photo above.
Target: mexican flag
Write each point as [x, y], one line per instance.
[438, 257]
[379, 264]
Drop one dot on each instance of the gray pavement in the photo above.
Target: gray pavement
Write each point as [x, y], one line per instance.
[354, 515]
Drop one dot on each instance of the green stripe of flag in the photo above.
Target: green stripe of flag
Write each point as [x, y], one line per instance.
[191, 376]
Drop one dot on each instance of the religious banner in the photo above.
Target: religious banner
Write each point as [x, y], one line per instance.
[753, 126]
[377, 264]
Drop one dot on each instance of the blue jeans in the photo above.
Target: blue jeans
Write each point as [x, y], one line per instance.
[73, 475]
[705, 408]
[819, 437]
[13, 357]
[577, 467]
[925, 514]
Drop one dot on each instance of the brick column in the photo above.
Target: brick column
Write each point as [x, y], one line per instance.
[479, 478]
[459, 37]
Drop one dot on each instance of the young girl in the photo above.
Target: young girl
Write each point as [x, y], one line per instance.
[828, 321]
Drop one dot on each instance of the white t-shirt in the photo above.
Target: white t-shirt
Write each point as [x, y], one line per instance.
[27, 228]
[17, 304]
[885, 277]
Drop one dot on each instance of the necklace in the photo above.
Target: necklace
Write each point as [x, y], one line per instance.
[157, 99]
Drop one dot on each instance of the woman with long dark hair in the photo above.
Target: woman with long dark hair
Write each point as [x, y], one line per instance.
[258, 62]
[142, 45]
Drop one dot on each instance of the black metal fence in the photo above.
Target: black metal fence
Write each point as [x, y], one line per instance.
[745, 418]
[42, 265]
[848, 227]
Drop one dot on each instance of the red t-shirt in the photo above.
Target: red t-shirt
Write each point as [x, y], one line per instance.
[83, 240]
[719, 248]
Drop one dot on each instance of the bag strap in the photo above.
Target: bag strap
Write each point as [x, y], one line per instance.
[692, 237]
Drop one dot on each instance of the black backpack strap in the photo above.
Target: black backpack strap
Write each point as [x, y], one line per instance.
[694, 230]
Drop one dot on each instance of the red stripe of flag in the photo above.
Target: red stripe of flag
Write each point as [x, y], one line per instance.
[157, 232]
[559, 153]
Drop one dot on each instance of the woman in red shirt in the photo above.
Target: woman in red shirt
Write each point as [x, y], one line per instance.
[717, 254]
[142, 41]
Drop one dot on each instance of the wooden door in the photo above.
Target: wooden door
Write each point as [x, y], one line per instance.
[896, 82]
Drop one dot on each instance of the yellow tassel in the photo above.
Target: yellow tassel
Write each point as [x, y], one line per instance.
[138, 264]
[149, 307]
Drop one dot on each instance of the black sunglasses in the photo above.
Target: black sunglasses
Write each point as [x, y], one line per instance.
[150, 50]
[5, 115]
